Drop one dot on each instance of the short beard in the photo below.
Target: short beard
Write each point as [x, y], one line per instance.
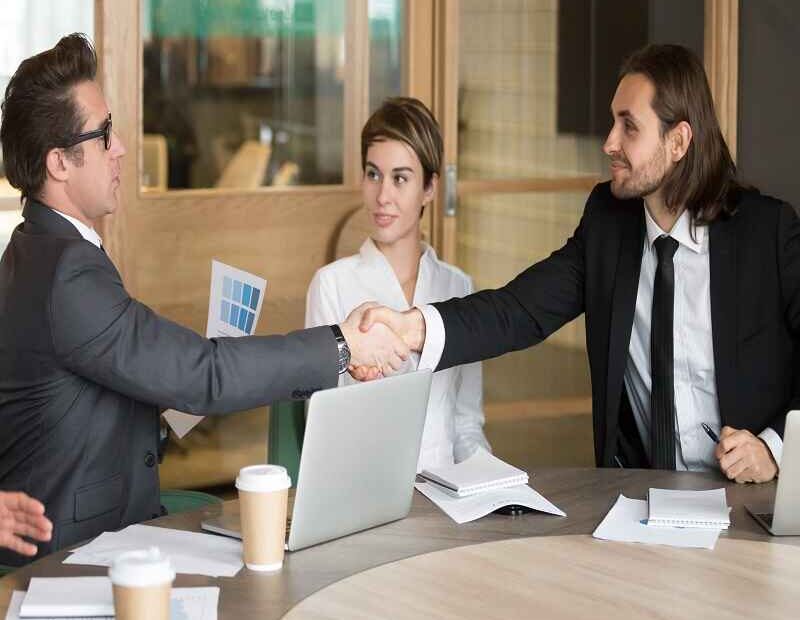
[645, 182]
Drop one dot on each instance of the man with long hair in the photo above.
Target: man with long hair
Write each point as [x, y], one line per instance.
[690, 283]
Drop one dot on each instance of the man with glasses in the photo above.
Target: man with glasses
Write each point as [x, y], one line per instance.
[84, 367]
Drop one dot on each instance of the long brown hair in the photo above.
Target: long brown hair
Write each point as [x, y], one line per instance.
[705, 178]
[40, 112]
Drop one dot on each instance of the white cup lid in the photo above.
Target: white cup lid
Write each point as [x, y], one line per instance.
[141, 568]
[263, 478]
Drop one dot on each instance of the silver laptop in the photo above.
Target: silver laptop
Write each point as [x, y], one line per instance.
[359, 460]
[782, 518]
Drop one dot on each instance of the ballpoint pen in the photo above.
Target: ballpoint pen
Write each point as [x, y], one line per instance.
[710, 432]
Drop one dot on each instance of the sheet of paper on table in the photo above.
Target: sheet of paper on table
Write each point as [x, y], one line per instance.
[186, 604]
[190, 552]
[234, 306]
[465, 509]
[624, 523]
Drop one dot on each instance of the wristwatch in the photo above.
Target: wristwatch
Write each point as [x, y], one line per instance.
[344, 350]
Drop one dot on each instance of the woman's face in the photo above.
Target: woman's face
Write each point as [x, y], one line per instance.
[394, 192]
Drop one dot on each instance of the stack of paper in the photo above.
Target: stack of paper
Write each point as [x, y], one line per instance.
[189, 552]
[479, 485]
[675, 518]
[81, 598]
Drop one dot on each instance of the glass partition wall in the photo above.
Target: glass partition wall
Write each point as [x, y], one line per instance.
[251, 94]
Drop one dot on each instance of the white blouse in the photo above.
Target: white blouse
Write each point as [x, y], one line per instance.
[454, 422]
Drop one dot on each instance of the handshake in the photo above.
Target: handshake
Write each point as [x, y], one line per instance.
[380, 339]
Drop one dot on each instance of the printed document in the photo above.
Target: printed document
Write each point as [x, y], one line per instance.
[626, 520]
[234, 305]
[465, 509]
[186, 604]
[190, 552]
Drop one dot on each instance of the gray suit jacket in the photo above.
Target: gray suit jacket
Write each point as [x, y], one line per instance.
[84, 369]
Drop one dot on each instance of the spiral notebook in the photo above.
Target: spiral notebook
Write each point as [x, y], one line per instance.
[701, 509]
[480, 472]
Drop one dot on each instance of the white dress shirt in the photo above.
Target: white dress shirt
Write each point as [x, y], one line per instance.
[454, 421]
[87, 233]
[693, 348]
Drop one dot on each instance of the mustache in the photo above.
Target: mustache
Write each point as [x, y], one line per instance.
[619, 159]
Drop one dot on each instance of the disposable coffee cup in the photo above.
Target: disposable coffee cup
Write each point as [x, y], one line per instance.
[142, 581]
[263, 495]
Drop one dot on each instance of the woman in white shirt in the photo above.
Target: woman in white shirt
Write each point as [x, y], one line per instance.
[401, 154]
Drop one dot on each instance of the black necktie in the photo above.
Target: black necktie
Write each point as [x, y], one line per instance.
[662, 394]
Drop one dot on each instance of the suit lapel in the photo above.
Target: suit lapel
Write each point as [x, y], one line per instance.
[722, 267]
[626, 284]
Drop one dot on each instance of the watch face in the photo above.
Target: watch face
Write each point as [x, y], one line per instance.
[344, 357]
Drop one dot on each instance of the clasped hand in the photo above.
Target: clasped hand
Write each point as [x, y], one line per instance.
[380, 339]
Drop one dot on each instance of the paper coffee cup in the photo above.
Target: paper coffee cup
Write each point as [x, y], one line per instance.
[141, 581]
[263, 496]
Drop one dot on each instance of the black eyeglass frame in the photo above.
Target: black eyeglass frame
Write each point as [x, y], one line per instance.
[104, 132]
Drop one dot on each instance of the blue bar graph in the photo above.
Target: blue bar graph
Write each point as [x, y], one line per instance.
[239, 299]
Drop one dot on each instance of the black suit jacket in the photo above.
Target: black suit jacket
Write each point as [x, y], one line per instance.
[84, 369]
[755, 312]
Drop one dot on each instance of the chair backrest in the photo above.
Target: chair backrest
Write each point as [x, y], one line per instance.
[247, 167]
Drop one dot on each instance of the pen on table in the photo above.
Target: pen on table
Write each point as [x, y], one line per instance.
[710, 432]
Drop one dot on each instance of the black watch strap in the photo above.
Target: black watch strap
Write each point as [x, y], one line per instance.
[343, 349]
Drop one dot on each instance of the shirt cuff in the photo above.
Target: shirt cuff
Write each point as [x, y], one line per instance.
[434, 338]
[774, 443]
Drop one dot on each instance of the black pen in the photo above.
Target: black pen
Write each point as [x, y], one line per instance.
[710, 432]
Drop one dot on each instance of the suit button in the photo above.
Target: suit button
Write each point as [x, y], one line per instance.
[149, 459]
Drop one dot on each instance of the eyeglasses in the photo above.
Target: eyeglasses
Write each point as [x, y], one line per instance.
[104, 131]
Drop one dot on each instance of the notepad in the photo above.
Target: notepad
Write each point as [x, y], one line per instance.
[701, 509]
[480, 472]
[68, 597]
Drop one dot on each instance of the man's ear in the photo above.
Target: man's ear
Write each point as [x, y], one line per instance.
[56, 164]
[430, 190]
[680, 137]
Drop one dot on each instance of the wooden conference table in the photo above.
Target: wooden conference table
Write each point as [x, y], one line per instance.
[560, 573]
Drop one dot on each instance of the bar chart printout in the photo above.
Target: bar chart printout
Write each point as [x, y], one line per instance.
[234, 305]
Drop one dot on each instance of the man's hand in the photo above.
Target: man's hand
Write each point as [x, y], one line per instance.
[21, 515]
[409, 325]
[744, 457]
[374, 352]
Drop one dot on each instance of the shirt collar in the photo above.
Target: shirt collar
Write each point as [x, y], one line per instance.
[681, 232]
[87, 233]
[370, 252]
